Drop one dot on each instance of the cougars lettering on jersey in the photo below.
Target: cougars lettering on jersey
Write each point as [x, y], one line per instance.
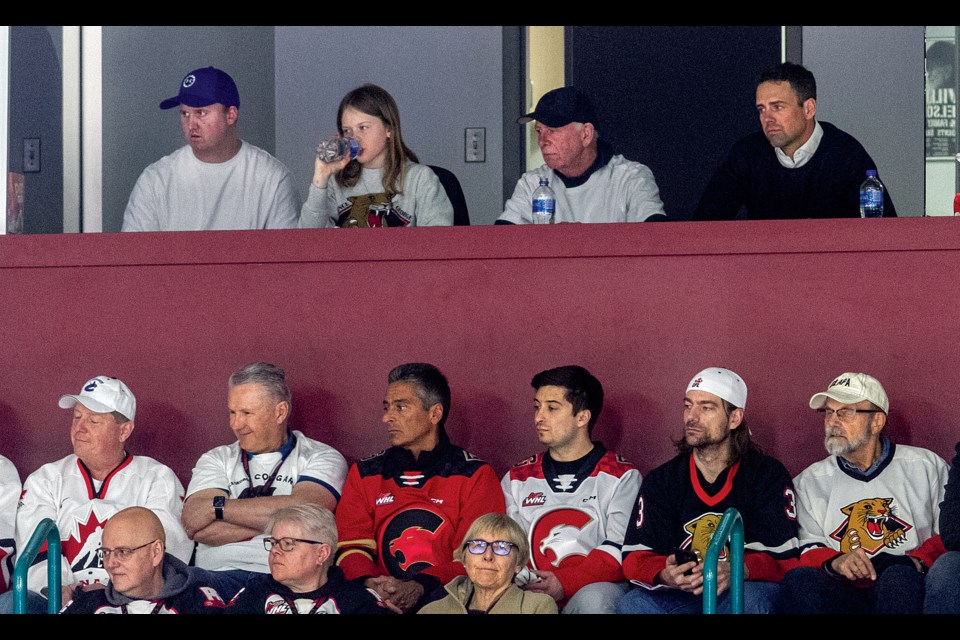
[301, 459]
[403, 517]
[575, 513]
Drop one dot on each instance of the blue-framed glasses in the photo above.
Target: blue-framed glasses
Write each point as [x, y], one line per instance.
[499, 547]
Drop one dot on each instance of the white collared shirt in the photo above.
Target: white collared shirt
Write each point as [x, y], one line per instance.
[802, 155]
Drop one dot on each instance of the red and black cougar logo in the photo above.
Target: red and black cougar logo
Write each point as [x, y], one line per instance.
[410, 543]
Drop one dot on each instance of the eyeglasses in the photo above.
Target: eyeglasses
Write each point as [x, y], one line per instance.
[286, 544]
[845, 414]
[479, 547]
[121, 553]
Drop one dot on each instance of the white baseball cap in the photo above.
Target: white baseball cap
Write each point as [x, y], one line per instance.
[103, 394]
[722, 383]
[851, 388]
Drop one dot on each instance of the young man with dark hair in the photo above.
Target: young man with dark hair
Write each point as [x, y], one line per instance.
[574, 498]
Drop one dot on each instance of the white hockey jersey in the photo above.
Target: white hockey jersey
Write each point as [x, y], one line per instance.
[575, 516]
[65, 492]
[895, 509]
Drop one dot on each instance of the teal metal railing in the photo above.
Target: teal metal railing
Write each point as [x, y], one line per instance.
[47, 532]
[730, 528]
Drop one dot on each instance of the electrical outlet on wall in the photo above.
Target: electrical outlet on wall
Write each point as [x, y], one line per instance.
[475, 144]
[31, 155]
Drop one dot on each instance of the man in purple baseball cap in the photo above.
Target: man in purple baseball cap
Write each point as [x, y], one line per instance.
[591, 183]
[216, 180]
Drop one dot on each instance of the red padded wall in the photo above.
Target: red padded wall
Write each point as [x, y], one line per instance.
[787, 304]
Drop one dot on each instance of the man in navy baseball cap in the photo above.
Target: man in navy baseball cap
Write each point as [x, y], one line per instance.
[203, 87]
[590, 181]
[560, 107]
[217, 180]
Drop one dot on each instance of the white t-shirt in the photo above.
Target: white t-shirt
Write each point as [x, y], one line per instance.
[252, 190]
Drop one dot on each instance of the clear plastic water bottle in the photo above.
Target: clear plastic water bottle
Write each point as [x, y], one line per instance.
[544, 203]
[337, 148]
[871, 196]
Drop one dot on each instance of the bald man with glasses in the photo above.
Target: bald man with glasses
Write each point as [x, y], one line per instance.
[868, 514]
[144, 578]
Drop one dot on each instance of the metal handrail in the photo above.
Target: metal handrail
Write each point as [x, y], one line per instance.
[730, 528]
[47, 532]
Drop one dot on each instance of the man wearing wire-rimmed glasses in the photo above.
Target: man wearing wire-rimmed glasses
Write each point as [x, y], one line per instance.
[868, 514]
[144, 578]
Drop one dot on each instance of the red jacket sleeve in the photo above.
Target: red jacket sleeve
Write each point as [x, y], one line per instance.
[357, 551]
[597, 566]
[929, 551]
[643, 566]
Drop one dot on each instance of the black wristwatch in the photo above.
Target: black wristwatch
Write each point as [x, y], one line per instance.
[218, 504]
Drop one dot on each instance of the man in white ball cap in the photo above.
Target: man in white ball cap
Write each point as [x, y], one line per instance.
[81, 491]
[868, 513]
[681, 502]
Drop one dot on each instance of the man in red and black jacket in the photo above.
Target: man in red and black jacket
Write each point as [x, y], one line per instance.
[406, 509]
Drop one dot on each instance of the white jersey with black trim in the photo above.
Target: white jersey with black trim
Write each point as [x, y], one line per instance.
[309, 460]
[895, 509]
[568, 515]
[65, 492]
[9, 495]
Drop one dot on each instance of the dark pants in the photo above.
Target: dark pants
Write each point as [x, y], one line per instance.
[899, 589]
[943, 585]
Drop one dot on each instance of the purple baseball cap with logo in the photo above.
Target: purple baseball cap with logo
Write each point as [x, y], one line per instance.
[203, 87]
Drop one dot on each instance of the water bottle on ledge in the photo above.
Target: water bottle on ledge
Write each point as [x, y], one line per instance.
[337, 148]
[871, 196]
[544, 203]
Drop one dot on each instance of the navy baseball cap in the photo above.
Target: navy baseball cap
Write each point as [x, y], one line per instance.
[203, 87]
[560, 107]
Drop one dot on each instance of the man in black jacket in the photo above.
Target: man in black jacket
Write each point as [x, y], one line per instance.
[797, 167]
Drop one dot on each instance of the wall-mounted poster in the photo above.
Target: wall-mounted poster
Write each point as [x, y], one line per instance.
[941, 117]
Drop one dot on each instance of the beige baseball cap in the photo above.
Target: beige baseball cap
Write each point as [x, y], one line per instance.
[851, 388]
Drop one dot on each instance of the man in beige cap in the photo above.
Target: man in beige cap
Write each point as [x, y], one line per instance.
[81, 491]
[868, 513]
[681, 502]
